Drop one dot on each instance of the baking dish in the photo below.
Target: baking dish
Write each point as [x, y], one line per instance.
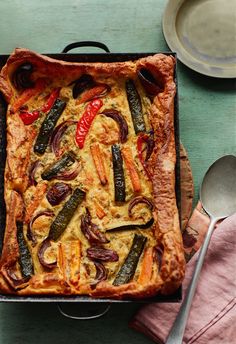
[107, 57]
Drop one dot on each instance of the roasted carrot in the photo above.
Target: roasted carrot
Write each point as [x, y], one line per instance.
[69, 254]
[92, 93]
[99, 211]
[132, 170]
[39, 193]
[146, 268]
[98, 160]
[27, 94]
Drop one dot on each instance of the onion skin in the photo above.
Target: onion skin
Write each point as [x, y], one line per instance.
[120, 120]
[30, 233]
[43, 247]
[57, 193]
[103, 254]
[137, 200]
[91, 231]
[21, 78]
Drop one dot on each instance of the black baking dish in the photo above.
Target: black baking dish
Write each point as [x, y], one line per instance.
[81, 57]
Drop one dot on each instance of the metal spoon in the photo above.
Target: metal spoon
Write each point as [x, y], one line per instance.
[218, 197]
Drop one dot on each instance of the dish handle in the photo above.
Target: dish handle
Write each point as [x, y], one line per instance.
[86, 44]
[88, 311]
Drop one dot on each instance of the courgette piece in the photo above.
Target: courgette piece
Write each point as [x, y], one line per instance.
[118, 173]
[51, 172]
[48, 125]
[64, 216]
[25, 259]
[129, 266]
[135, 107]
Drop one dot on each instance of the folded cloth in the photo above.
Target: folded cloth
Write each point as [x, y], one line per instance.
[212, 318]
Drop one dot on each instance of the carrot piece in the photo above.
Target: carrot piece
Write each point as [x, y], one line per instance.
[146, 268]
[132, 170]
[27, 94]
[39, 194]
[99, 211]
[69, 254]
[92, 93]
[98, 160]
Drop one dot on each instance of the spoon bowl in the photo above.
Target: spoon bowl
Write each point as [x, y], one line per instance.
[218, 189]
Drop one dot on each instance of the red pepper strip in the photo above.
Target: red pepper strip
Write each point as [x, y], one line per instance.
[86, 120]
[27, 94]
[142, 138]
[29, 117]
[98, 91]
[51, 100]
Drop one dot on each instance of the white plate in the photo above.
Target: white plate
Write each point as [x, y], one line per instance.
[203, 34]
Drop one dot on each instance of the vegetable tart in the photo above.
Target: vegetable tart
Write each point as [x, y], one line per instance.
[90, 178]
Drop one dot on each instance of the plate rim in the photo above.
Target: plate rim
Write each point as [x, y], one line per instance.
[170, 34]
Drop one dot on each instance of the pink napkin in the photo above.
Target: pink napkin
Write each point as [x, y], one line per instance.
[212, 317]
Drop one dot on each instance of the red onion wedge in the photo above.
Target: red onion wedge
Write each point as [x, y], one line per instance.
[101, 274]
[159, 254]
[14, 281]
[140, 199]
[120, 120]
[103, 254]
[30, 234]
[43, 247]
[57, 193]
[91, 231]
[151, 85]
[32, 171]
[57, 135]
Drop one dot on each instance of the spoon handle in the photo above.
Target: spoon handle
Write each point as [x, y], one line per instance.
[177, 331]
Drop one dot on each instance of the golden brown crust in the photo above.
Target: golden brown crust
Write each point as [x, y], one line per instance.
[161, 167]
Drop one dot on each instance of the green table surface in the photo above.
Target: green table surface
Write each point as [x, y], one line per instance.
[207, 126]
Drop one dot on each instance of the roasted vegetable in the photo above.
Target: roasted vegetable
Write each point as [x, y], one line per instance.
[51, 100]
[30, 233]
[21, 77]
[91, 231]
[98, 91]
[118, 173]
[29, 117]
[57, 193]
[25, 259]
[57, 135]
[129, 266]
[64, 162]
[101, 273]
[27, 94]
[132, 226]
[103, 254]
[86, 120]
[48, 125]
[32, 171]
[151, 85]
[98, 160]
[85, 82]
[120, 120]
[131, 168]
[149, 141]
[64, 216]
[140, 199]
[43, 247]
[135, 107]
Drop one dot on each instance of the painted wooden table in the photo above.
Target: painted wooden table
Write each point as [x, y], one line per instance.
[207, 123]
